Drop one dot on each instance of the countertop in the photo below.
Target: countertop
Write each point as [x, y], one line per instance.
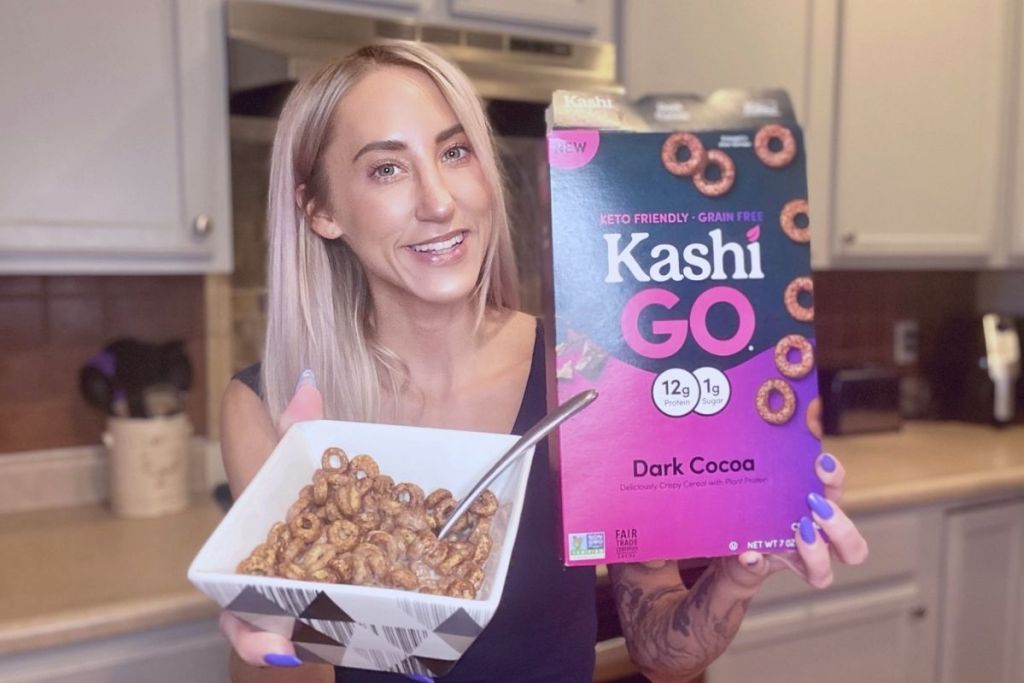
[81, 573]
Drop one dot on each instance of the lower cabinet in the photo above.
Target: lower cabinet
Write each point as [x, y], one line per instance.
[194, 651]
[983, 587]
[940, 599]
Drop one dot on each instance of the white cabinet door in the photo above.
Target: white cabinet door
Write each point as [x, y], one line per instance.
[922, 93]
[113, 156]
[865, 636]
[579, 15]
[192, 652]
[981, 633]
[672, 46]
[1016, 223]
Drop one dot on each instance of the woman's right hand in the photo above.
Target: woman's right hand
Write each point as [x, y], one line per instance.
[253, 646]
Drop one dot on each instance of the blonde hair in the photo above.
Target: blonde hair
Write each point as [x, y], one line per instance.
[319, 307]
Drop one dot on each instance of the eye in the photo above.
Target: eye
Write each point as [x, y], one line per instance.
[385, 170]
[456, 153]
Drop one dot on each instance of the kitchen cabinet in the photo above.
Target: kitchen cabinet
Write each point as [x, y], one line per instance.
[917, 168]
[538, 18]
[1016, 175]
[191, 651]
[114, 157]
[877, 622]
[908, 161]
[941, 598]
[667, 46]
[984, 594]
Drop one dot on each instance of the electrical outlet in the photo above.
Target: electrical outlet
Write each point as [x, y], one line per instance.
[905, 342]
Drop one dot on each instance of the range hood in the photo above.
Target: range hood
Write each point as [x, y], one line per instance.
[271, 47]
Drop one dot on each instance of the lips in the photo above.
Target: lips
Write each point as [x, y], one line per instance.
[441, 245]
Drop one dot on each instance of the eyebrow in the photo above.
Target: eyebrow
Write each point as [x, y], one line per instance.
[395, 145]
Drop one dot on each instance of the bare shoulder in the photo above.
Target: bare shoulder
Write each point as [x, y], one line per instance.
[247, 434]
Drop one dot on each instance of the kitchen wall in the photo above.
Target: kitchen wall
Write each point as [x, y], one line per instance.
[51, 326]
[855, 312]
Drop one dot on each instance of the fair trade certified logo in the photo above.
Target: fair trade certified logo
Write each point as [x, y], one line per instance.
[586, 546]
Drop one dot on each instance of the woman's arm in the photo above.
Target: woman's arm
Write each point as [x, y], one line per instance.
[672, 633]
[247, 435]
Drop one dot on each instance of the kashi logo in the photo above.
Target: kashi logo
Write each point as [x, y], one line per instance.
[761, 108]
[587, 546]
[593, 102]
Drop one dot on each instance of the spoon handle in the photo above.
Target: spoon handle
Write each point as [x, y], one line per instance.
[538, 432]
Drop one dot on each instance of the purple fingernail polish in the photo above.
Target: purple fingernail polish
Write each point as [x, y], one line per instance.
[307, 378]
[807, 530]
[828, 463]
[821, 507]
[275, 659]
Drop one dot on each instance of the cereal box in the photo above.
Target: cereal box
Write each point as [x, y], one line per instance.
[681, 291]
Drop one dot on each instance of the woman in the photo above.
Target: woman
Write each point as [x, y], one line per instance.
[392, 282]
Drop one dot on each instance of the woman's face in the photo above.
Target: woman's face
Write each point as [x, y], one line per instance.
[407, 191]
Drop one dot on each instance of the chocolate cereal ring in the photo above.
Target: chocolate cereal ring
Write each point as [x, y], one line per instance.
[787, 220]
[485, 505]
[813, 417]
[670, 154]
[800, 312]
[775, 158]
[726, 174]
[794, 342]
[334, 459]
[783, 414]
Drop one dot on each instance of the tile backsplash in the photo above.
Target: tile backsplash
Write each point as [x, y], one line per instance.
[50, 326]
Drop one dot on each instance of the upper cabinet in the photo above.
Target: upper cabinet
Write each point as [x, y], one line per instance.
[114, 153]
[539, 18]
[922, 96]
[907, 107]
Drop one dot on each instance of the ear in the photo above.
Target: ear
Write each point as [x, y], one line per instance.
[320, 222]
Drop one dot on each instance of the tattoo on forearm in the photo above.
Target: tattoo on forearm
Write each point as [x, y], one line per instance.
[672, 630]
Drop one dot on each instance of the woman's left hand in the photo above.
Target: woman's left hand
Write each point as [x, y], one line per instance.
[813, 556]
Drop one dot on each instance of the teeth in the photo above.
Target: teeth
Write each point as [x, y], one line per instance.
[439, 246]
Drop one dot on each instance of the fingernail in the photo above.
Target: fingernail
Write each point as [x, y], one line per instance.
[306, 379]
[807, 530]
[828, 463]
[282, 660]
[752, 560]
[821, 507]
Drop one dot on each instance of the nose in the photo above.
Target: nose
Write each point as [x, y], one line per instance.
[436, 203]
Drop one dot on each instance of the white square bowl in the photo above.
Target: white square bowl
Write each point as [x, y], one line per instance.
[363, 627]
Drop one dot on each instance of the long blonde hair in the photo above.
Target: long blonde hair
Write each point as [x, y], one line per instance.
[319, 307]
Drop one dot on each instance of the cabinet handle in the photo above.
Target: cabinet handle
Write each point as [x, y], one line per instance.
[202, 225]
[849, 238]
[919, 612]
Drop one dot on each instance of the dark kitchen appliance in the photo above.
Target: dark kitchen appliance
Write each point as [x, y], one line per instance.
[859, 400]
[977, 368]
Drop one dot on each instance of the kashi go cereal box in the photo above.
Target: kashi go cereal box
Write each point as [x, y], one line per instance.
[680, 289]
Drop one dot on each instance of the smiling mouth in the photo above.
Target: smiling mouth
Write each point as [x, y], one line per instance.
[440, 246]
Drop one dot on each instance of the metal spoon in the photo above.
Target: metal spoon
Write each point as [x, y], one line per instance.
[538, 432]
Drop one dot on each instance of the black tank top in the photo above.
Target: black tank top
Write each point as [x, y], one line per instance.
[545, 627]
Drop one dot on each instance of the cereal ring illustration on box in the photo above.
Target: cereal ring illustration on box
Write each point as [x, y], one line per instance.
[694, 163]
[787, 220]
[726, 174]
[782, 414]
[804, 314]
[813, 417]
[776, 155]
[798, 343]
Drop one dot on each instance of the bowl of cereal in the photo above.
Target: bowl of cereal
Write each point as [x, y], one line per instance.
[334, 544]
